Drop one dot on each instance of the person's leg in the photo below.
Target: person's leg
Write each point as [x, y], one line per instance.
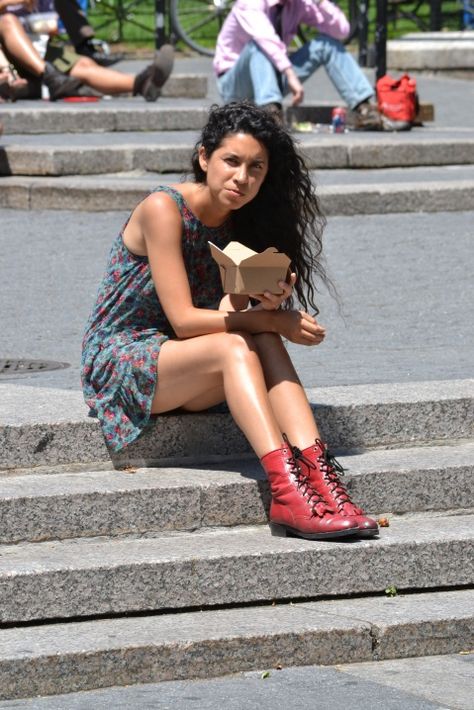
[199, 372]
[294, 416]
[148, 83]
[343, 70]
[18, 47]
[287, 397]
[107, 81]
[253, 77]
[75, 21]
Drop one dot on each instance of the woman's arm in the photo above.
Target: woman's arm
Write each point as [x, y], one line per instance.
[161, 226]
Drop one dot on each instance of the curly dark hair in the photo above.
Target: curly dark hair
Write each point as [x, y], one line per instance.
[286, 212]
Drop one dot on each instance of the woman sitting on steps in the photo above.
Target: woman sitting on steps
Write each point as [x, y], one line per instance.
[163, 335]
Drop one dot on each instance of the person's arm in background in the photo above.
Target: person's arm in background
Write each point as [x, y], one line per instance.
[327, 17]
[254, 21]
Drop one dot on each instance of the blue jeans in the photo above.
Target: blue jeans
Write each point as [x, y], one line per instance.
[254, 77]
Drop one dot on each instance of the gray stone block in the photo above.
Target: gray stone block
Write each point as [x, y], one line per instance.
[45, 426]
[63, 658]
[408, 197]
[235, 566]
[395, 151]
[113, 193]
[430, 54]
[52, 504]
[102, 118]
[416, 625]
[191, 86]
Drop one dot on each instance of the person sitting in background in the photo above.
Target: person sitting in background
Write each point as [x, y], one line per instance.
[81, 33]
[65, 73]
[252, 60]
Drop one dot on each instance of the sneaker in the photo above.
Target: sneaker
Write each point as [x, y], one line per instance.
[148, 82]
[389, 124]
[60, 85]
[93, 50]
[368, 118]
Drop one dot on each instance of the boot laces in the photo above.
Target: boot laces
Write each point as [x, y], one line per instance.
[315, 499]
[331, 469]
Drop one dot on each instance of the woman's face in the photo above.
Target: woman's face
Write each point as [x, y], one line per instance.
[236, 170]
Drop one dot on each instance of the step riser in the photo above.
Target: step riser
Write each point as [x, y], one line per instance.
[388, 155]
[27, 160]
[30, 194]
[81, 656]
[103, 120]
[243, 503]
[153, 117]
[172, 440]
[321, 570]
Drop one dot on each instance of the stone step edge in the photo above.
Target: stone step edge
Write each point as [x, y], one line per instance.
[63, 658]
[110, 118]
[30, 193]
[50, 426]
[324, 152]
[209, 568]
[151, 500]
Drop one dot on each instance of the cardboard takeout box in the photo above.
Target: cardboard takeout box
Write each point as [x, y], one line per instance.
[246, 271]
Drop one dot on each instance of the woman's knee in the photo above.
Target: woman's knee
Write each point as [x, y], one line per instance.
[237, 346]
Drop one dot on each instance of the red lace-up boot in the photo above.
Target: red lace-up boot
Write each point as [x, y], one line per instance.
[296, 508]
[322, 469]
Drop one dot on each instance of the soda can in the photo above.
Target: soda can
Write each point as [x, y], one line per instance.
[338, 119]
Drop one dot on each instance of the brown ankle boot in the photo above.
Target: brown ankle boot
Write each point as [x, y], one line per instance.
[150, 81]
[296, 508]
[321, 468]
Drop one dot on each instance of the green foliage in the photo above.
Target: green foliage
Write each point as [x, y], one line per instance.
[391, 591]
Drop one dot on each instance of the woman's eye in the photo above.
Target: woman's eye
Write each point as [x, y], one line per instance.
[231, 161]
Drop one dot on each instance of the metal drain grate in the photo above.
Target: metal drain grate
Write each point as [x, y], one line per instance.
[29, 367]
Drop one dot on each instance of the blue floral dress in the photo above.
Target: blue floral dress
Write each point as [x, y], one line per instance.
[128, 326]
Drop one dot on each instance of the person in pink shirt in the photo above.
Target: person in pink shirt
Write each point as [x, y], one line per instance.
[252, 62]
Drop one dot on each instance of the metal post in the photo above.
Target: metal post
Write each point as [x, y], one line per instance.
[160, 34]
[363, 31]
[435, 15]
[381, 39]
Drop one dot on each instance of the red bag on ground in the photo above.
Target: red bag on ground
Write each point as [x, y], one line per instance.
[397, 98]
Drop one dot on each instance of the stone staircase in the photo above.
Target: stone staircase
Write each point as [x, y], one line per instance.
[104, 157]
[158, 563]
[111, 577]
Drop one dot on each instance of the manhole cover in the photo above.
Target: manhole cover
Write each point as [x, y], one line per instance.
[28, 367]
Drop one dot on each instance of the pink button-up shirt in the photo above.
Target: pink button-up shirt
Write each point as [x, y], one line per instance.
[251, 19]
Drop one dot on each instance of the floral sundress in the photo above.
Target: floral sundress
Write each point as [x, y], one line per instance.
[128, 326]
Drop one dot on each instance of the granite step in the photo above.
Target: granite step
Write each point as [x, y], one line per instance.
[47, 426]
[68, 657]
[50, 503]
[124, 191]
[227, 566]
[130, 114]
[170, 113]
[169, 151]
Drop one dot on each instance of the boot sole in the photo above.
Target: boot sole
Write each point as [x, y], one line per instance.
[161, 72]
[287, 531]
[368, 533]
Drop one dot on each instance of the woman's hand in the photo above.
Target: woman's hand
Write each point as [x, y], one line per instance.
[299, 327]
[271, 301]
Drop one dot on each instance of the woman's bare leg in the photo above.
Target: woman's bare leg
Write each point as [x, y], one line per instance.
[202, 371]
[107, 81]
[287, 396]
[18, 45]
